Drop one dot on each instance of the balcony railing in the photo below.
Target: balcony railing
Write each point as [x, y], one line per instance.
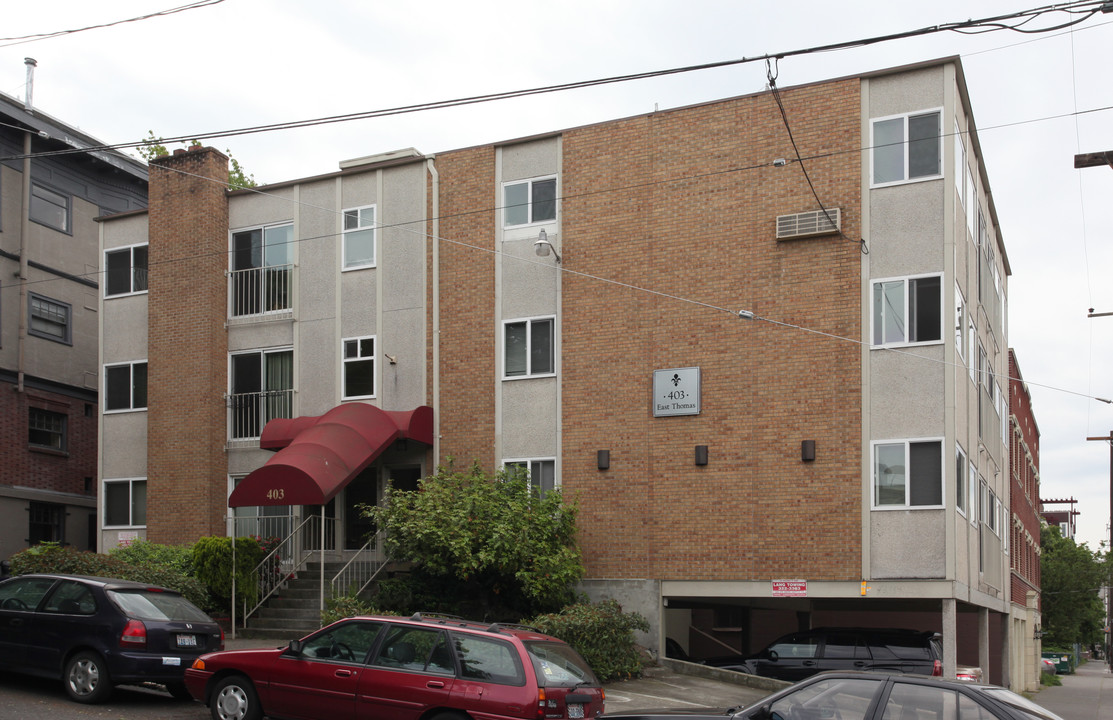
[249, 412]
[260, 291]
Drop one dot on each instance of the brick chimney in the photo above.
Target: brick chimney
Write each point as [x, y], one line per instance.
[187, 346]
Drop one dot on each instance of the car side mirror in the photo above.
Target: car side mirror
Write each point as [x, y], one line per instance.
[763, 713]
[295, 647]
[773, 655]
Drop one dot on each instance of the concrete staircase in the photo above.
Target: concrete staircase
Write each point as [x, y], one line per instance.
[295, 612]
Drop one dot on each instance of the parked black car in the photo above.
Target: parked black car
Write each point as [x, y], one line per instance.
[800, 655]
[869, 696]
[94, 633]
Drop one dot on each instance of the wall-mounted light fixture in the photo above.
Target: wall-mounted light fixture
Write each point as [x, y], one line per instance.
[603, 459]
[701, 454]
[807, 450]
[542, 246]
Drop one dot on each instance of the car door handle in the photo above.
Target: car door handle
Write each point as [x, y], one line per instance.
[16, 622]
[860, 663]
[344, 673]
[809, 663]
[436, 684]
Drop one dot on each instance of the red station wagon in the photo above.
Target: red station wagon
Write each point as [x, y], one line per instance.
[391, 668]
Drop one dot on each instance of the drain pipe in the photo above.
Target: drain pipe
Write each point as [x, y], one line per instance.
[25, 228]
[436, 280]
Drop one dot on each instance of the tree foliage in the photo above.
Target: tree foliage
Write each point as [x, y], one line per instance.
[1070, 578]
[237, 177]
[495, 540]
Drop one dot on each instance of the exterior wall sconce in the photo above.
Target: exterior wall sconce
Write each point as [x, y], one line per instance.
[807, 450]
[701, 454]
[603, 459]
[542, 246]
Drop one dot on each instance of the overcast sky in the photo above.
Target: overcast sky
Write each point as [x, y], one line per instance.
[1037, 100]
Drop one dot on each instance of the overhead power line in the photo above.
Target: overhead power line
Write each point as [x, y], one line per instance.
[10, 41]
[1080, 11]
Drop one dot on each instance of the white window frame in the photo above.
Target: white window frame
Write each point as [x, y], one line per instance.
[132, 270]
[529, 322]
[962, 479]
[907, 282]
[359, 358]
[972, 489]
[529, 204]
[905, 146]
[131, 483]
[960, 325]
[61, 432]
[63, 309]
[363, 225]
[528, 464]
[132, 407]
[907, 443]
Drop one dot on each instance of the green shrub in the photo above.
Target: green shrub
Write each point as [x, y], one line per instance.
[345, 606]
[602, 633]
[50, 558]
[1050, 680]
[212, 564]
[141, 552]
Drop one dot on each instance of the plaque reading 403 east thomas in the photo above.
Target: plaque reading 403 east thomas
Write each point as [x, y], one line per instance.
[676, 392]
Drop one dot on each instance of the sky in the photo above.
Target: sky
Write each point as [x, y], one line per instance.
[1038, 100]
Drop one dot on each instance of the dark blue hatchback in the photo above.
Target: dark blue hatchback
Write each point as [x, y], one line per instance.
[95, 633]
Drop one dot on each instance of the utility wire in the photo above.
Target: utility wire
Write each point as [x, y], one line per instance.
[20, 40]
[1085, 9]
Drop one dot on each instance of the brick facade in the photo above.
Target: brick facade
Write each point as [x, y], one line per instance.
[1024, 500]
[71, 471]
[188, 349]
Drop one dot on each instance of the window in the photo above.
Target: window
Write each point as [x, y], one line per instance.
[529, 348]
[972, 490]
[529, 201]
[261, 389]
[125, 502]
[960, 325]
[417, 649]
[908, 474]
[922, 701]
[542, 473]
[907, 310]
[906, 147]
[960, 479]
[359, 237]
[45, 523]
[359, 367]
[46, 429]
[50, 208]
[48, 318]
[125, 271]
[125, 386]
[261, 268]
[488, 660]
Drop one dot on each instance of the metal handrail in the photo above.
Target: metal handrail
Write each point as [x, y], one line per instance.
[360, 570]
[272, 573]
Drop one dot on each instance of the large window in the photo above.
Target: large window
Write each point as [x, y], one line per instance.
[50, 208]
[906, 147]
[359, 367]
[907, 311]
[359, 237]
[261, 269]
[529, 201]
[125, 386]
[961, 464]
[49, 319]
[529, 347]
[960, 325]
[125, 271]
[261, 389]
[908, 473]
[542, 473]
[46, 429]
[125, 502]
[45, 523]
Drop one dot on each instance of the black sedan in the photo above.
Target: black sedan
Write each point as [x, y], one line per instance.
[870, 696]
[94, 633]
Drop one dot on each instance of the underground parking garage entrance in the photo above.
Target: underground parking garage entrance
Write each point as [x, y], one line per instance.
[702, 629]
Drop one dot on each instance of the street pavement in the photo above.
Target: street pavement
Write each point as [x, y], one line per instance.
[1087, 694]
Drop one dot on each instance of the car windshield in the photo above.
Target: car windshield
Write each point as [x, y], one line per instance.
[1021, 703]
[558, 665]
[157, 605]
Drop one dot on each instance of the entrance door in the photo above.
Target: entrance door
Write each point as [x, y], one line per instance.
[404, 478]
[363, 490]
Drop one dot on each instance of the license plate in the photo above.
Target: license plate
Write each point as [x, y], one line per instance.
[191, 641]
[575, 711]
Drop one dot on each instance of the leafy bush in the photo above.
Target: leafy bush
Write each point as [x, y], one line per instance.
[50, 558]
[212, 561]
[344, 606]
[141, 552]
[602, 633]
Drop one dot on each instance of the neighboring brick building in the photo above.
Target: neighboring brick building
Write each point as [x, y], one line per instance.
[771, 414]
[1024, 531]
[48, 322]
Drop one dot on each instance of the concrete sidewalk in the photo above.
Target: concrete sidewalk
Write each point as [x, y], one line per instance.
[1085, 695]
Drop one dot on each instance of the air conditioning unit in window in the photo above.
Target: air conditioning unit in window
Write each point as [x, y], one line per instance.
[807, 224]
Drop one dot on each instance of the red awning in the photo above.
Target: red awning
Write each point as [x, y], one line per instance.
[318, 456]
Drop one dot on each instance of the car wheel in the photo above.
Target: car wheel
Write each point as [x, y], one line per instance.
[235, 699]
[86, 678]
[178, 691]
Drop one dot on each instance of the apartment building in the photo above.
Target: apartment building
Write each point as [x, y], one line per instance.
[52, 186]
[774, 383]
